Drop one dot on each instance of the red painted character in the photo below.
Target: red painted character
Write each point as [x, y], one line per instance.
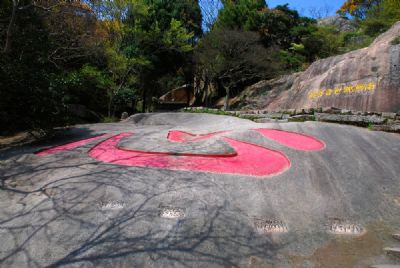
[248, 159]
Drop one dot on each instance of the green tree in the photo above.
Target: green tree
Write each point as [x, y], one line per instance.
[240, 14]
[381, 17]
[186, 11]
[166, 48]
[42, 40]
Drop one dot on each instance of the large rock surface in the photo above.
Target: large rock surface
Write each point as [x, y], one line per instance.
[367, 79]
[68, 209]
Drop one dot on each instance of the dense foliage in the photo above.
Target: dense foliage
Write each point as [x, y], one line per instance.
[374, 16]
[65, 62]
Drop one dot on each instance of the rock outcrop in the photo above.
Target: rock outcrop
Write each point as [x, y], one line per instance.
[181, 95]
[342, 24]
[175, 99]
[367, 79]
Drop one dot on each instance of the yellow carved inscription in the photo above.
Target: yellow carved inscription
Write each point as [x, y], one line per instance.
[344, 90]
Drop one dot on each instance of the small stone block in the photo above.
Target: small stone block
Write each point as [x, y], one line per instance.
[393, 251]
[386, 266]
[389, 115]
[396, 236]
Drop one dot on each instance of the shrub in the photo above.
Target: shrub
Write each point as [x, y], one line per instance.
[395, 41]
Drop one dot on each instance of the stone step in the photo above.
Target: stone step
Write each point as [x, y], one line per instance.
[396, 236]
[393, 251]
[386, 266]
[254, 116]
[350, 119]
[302, 117]
[389, 127]
[270, 120]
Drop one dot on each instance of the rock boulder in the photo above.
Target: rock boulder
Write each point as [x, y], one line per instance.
[367, 79]
[342, 24]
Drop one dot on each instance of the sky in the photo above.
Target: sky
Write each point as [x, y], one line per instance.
[309, 8]
[305, 7]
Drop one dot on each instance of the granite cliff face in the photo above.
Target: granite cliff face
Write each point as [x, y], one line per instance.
[342, 24]
[367, 79]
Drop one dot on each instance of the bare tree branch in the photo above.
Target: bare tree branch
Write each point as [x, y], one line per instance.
[209, 9]
[10, 29]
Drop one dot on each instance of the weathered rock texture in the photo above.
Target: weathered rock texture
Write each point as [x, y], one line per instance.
[356, 119]
[183, 94]
[367, 79]
[175, 99]
[342, 24]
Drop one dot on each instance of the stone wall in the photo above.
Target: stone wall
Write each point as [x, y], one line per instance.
[382, 121]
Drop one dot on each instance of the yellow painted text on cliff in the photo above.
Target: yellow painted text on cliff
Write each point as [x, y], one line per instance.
[343, 90]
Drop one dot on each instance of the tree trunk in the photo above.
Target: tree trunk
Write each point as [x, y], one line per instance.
[10, 29]
[206, 89]
[188, 91]
[226, 103]
[114, 109]
[110, 101]
[134, 105]
[144, 101]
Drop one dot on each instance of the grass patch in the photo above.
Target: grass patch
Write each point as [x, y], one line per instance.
[207, 111]
[395, 41]
[109, 120]
[220, 112]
